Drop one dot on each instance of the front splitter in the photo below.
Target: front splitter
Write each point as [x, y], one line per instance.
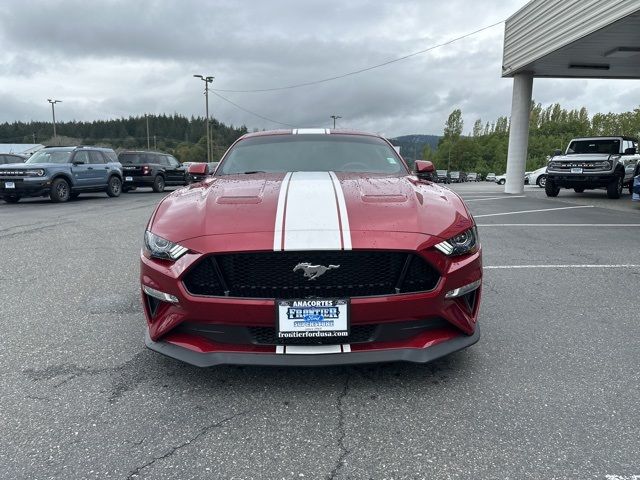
[413, 355]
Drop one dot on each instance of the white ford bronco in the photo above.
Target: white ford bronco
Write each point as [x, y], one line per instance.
[593, 162]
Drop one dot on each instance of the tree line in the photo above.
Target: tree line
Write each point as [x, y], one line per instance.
[181, 136]
[484, 148]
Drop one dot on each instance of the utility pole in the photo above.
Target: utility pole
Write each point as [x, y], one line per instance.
[207, 80]
[155, 144]
[148, 139]
[34, 137]
[335, 117]
[53, 112]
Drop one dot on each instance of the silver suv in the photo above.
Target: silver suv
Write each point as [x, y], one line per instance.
[593, 162]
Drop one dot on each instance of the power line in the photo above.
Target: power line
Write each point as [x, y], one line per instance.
[362, 70]
[250, 112]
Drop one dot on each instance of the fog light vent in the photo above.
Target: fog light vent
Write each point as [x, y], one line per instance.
[459, 292]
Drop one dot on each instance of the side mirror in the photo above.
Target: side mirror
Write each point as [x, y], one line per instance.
[557, 152]
[424, 166]
[197, 168]
[630, 151]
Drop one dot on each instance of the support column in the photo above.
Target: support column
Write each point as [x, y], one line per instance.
[519, 132]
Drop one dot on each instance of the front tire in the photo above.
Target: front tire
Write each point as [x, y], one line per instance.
[614, 189]
[114, 187]
[12, 199]
[551, 189]
[60, 191]
[542, 180]
[158, 184]
[502, 182]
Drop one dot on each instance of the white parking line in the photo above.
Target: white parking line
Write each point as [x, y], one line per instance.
[630, 225]
[532, 211]
[475, 192]
[520, 267]
[493, 198]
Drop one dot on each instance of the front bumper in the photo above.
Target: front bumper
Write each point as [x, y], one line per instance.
[184, 328]
[305, 357]
[36, 187]
[582, 180]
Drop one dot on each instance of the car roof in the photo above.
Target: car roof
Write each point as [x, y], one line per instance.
[309, 131]
[72, 148]
[143, 151]
[606, 137]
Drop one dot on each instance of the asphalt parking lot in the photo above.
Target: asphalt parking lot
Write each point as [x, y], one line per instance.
[551, 391]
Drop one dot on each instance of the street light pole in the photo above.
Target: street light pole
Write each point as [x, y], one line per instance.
[207, 80]
[335, 117]
[148, 138]
[53, 112]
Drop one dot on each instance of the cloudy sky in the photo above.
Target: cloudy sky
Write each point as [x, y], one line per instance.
[118, 58]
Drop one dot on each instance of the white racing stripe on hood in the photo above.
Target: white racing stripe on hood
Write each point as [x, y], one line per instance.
[342, 208]
[282, 199]
[311, 213]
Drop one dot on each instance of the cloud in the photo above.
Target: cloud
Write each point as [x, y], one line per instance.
[118, 58]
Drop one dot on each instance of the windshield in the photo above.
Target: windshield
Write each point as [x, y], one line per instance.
[137, 158]
[441, 172]
[312, 153]
[455, 174]
[50, 156]
[607, 146]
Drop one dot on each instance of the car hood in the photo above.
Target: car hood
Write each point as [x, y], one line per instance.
[310, 206]
[31, 166]
[582, 157]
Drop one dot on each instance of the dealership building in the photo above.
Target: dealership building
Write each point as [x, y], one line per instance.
[564, 39]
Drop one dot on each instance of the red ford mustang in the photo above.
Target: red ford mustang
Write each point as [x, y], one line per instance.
[311, 247]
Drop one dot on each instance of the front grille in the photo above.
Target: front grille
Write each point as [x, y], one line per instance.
[270, 274]
[247, 335]
[565, 166]
[13, 173]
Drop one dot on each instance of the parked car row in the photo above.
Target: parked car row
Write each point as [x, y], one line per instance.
[444, 176]
[64, 173]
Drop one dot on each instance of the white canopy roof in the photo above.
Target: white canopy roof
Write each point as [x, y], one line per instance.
[23, 148]
[574, 38]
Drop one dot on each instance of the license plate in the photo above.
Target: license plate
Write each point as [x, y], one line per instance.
[9, 185]
[128, 179]
[576, 170]
[314, 319]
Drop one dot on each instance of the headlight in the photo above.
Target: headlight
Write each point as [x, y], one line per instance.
[36, 173]
[461, 244]
[552, 165]
[158, 247]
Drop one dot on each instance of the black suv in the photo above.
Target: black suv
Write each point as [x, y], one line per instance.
[62, 173]
[151, 169]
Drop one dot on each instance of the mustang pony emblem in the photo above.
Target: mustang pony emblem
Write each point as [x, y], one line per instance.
[313, 271]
